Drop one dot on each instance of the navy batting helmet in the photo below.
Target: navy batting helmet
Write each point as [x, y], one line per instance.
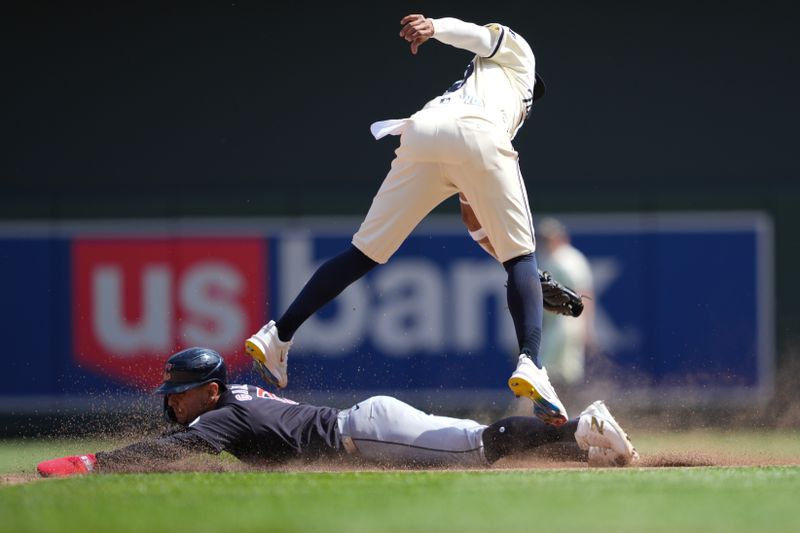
[191, 368]
[188, 369]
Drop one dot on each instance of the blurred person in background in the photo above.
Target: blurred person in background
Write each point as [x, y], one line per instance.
[566, 341]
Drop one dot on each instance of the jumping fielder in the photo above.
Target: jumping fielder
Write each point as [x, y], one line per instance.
[262, 429]
[459, 142]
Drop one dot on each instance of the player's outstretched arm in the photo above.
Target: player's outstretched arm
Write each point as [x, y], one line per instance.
[417, 29]
[73, 465]
[142, 456]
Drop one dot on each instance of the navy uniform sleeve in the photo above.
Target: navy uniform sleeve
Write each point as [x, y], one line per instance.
[150, 454]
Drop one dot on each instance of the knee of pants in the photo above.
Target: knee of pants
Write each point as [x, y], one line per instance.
[377, 405]
[373, 404]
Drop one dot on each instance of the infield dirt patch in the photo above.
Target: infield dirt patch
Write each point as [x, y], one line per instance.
[529, 462]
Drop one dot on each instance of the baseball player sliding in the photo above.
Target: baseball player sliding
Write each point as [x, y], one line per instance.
[262, 429]
[459, 142]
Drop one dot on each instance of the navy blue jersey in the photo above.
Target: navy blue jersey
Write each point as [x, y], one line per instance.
[251, 423]
[254, 425]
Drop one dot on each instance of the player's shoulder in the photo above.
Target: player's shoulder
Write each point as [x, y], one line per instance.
[502, 30]
[240, 392]
[574, 254]
[575, 263]
[248, 393]
[508, 41]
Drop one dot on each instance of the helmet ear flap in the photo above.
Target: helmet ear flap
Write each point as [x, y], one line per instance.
[169, 413]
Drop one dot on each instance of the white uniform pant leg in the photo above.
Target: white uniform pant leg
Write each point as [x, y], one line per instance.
[386, 430]
[409, 192]
[493, 184]
[414, 186]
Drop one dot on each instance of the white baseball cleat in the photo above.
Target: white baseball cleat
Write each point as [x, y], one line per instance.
[270, 354]
[532, 382]
[606, 441]
[606, 457]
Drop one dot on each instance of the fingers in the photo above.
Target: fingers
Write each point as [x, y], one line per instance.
[416, 43]
[416, 27]
[409, 18]
[412, 30]
[416, 30]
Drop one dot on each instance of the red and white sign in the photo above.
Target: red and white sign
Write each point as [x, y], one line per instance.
[137, 301]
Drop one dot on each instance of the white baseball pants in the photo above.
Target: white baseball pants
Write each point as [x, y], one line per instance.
[444, 150]
[386, 430]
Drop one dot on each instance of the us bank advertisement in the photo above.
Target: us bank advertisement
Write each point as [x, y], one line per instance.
[97, 307]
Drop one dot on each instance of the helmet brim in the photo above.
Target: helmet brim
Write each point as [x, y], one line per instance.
[176, 388]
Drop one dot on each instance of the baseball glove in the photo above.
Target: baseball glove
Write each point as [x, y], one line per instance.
[559, 298]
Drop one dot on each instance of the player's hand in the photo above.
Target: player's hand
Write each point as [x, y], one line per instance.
[74, 465]
[416, 29]
[558, 298]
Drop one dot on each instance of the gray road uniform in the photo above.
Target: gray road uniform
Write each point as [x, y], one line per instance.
[261, 428]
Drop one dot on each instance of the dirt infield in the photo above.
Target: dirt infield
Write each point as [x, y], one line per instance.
[663, 460]
[16, 479]
[659, 460]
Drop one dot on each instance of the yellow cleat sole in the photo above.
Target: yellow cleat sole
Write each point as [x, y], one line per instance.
[542, 408]
[255, 352]
[523, 389]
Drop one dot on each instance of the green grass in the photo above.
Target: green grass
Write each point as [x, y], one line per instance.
[22, 455]
[674, 500]
[707, 500]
